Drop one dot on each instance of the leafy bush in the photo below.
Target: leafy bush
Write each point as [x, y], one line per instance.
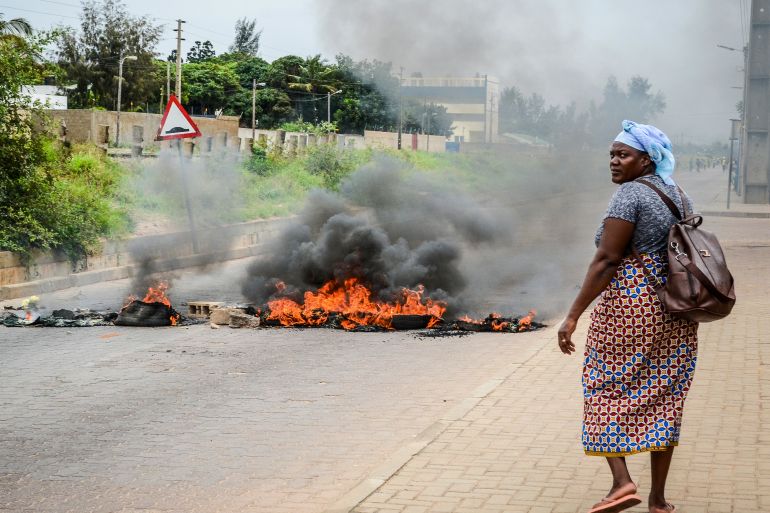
[332, 164]
[322, 128]
[51, 196]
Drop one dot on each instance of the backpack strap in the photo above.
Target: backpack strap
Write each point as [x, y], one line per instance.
[652, 280]
[688, 264]
[668, 201]
[684, 203]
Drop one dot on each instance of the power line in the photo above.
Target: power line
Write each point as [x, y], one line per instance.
[60, 3]
[155, 18]
[208, 30]
[39, 12]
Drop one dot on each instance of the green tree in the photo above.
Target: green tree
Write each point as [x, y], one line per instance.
[273, 108]
[91, 56]
[48, 200]
[277, 73]
[315, 77]
[637, 102]
[528, 114]
[250, 69]
[210, 85]
[200, 52]
[369, 97]
[426, 118]
[247, 37]
[17, 27]
[22, 148]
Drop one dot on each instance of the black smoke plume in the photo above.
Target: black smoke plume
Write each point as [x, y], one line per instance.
[388, 227]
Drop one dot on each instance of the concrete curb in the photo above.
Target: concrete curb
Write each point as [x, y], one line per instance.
[118, 273]
[731, 213]
[380, 475]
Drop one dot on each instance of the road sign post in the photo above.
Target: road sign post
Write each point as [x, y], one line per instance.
[176, 124]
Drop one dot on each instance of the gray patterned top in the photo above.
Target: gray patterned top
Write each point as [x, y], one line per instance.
[637, 203]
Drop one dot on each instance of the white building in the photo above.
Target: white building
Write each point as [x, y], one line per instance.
[47, 95]
[472, 103]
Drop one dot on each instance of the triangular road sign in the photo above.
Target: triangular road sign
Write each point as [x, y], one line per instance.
[176, 123]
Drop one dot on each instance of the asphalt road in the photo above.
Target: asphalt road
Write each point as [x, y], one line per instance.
[196, 419]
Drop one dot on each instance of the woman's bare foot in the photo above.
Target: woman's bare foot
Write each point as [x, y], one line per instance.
[621, 490]
[665, 508]
[616, 492]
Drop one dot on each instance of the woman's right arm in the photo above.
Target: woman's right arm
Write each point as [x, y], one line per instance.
[616, 237]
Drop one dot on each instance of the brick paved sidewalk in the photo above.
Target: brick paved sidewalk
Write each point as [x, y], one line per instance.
[518, 450]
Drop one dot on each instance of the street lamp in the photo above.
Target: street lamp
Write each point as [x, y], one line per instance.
[737, 132]
[120, 84]
[254, 85]
[329, 105]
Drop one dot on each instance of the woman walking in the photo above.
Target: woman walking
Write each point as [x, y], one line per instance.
[639, 361]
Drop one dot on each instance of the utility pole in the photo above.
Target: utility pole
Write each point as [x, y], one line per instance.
[253, 110]
[179, 40]
[492, 121]
[430, 114]
[329, 95]
[120, 83]
[120, 88]
[486, 92]
[254, 85]
[400, 107]
[735, 128]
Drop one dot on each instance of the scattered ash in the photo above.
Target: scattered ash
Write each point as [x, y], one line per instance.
[70, 319]
[441, 333]
[57, 319]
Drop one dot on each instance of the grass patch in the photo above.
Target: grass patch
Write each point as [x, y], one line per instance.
[268, 185]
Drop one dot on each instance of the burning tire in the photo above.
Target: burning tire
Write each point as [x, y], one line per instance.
[139, 313]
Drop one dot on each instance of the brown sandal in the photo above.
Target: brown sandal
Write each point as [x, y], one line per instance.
[616, 504]
[608, 505]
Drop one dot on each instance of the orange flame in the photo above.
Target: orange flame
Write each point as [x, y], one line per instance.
[526, 322]
[157, 294]
[496, 322]
[352, 300]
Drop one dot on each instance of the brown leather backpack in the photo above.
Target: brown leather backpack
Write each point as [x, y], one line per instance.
[699, 286]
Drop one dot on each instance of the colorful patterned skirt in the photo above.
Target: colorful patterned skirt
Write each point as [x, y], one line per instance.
[639, 364]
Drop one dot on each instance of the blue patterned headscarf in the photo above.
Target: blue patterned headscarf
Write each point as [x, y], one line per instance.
[650, 139]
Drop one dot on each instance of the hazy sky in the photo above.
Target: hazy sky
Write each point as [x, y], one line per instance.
[562, 49]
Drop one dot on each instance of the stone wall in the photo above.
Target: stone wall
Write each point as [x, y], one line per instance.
[82, 125]
[421, 142]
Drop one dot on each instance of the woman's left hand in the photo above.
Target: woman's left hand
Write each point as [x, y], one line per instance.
[565, 332]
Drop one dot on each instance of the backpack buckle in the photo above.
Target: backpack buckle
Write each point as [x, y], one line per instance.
[704, 252]
[678, 253]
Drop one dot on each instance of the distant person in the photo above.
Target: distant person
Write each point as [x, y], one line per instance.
[724, 165]
[639, 361]
[691, 165]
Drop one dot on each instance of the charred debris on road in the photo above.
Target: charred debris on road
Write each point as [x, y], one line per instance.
[155, 310]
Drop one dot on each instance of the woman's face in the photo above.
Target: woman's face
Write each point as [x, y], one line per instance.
[627, 163]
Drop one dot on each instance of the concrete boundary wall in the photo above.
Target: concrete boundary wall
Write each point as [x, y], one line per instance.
[82, 125]
[52, 271]
[420, 142]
